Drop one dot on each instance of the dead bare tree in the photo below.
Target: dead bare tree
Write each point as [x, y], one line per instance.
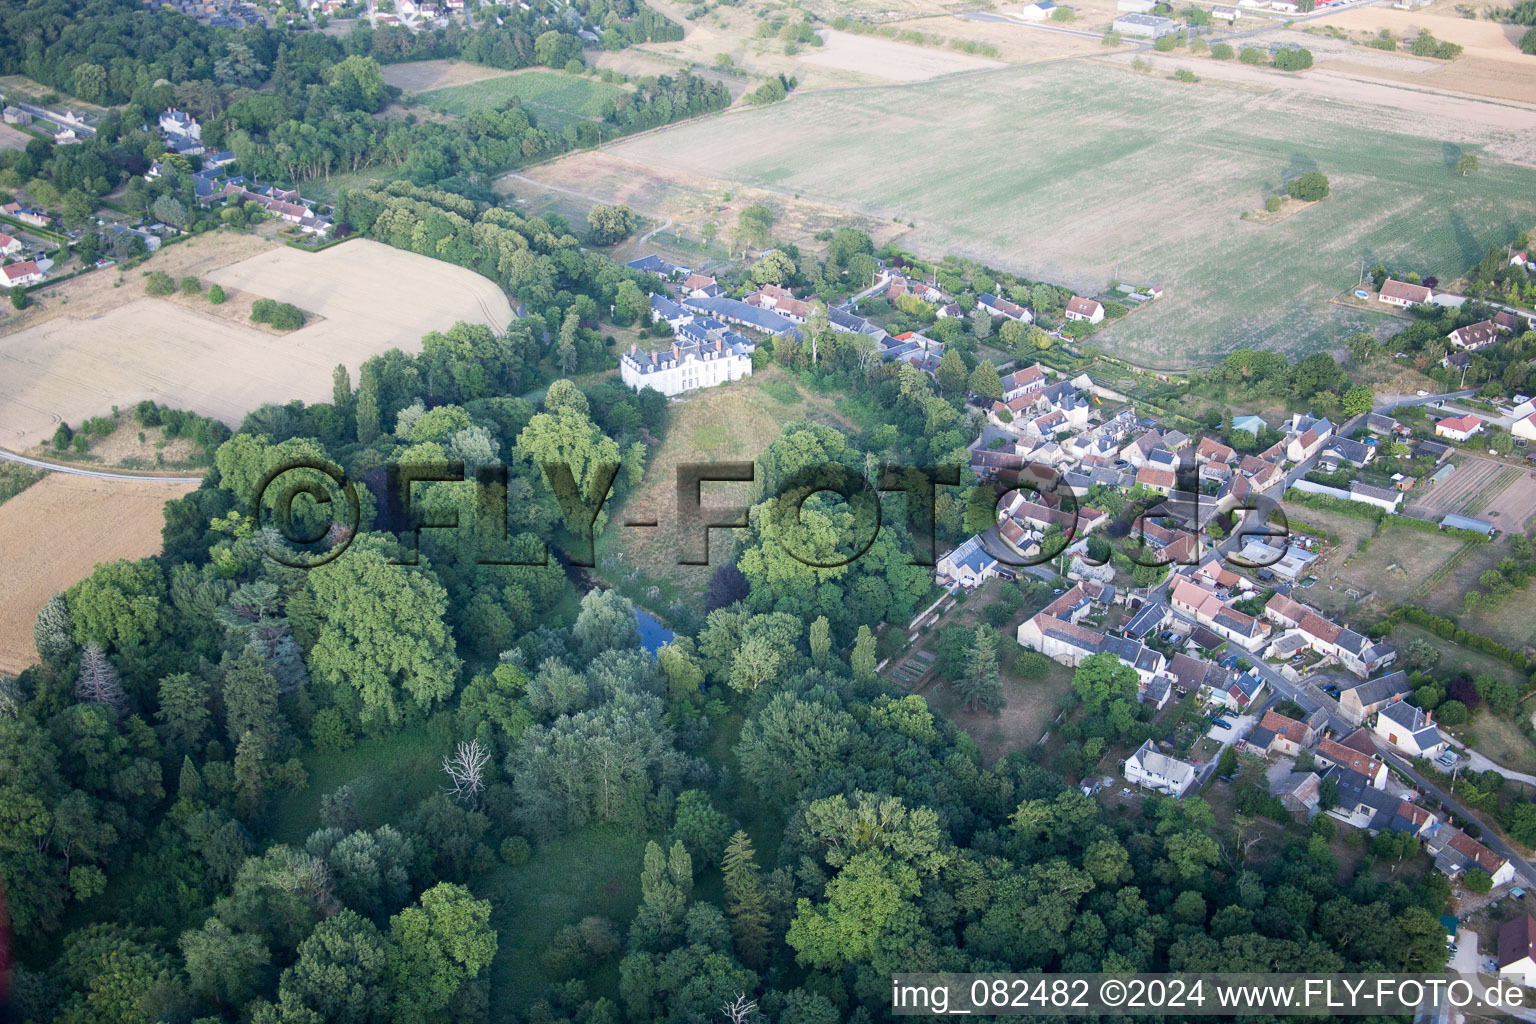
[466, 771]
[97, 682]
[741, 1010]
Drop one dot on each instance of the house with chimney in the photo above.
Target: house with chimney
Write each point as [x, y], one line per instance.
[703, 353]
[1411, 730]
[1306, 436]
[1200, 601]
[1357, 653]
[1029, 380]
[1455, 852]
[1474, 336]
[1364, 699]
[1331, 752]
[20, 275]
[1239, 693]
[1280, 734]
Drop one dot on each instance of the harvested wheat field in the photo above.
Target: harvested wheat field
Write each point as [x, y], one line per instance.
[1490, 65]
[426, 75]
[56, 531]
[182, 353]
[12, 138]
[892, 61]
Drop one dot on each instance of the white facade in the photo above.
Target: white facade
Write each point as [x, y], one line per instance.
[1159, 772]
[672, 372]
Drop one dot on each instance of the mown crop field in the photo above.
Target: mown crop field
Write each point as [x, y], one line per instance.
[555, 98]
[1086, 172]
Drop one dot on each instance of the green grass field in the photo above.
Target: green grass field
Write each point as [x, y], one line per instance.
[594, 871]
[555, 98]
[1082, 172]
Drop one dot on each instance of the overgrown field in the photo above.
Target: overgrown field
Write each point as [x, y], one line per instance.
[1085, 172]
[555, 98]
[731, 423]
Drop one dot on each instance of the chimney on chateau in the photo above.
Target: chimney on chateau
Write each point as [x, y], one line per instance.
[632, 348]
[676, 353]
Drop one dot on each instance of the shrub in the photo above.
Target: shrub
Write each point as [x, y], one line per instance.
[1165, 43]
[1528, 42]
[262, 310]
[1185, 75]
[1251, 55]
[1452, 712]
[62, 437]
[1477, 880]
[1222, 51]
[19, 298]
[216, 294]
[1032, 664]
[159, 283]
[1293, 59]
[1310, 187]
[329, 732]
[515, 850]
[1273, 204]
[191, 285]
[287, 317]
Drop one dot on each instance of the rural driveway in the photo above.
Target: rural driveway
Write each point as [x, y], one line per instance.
[1480, 763]
[54, 467]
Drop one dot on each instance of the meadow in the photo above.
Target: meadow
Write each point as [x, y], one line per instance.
[1085, 172]
[730, 423]
[555, 98]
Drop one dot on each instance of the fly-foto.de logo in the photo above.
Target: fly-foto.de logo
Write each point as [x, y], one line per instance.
[308, 512]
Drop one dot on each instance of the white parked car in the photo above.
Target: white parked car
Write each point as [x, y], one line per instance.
[1422, 393]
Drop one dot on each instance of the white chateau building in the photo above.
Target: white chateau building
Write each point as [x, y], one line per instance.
[704, 353]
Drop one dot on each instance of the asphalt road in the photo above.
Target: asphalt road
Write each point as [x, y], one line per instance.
[54, 467]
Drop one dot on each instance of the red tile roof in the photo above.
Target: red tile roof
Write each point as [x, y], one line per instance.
[1404, 291]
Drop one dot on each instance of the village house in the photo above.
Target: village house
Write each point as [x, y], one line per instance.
[1079, 308]
[1403, 294]
[1362, 700]
[1474, 336]
[1331, 752]
[1355, 652]
[701, 286]
[1525, 428]
[1411, 730]
[782, 301]
[1239, 691]
[1306, 437]
[1459, 428]
[1279, 734]
[1002, 307]
[20, 275]
[1517, 950]
[1456, 852]
[1361, 805]
[1203, 604]
[969, 566]
[9, 245]
[654, 264]
[1156, 771]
